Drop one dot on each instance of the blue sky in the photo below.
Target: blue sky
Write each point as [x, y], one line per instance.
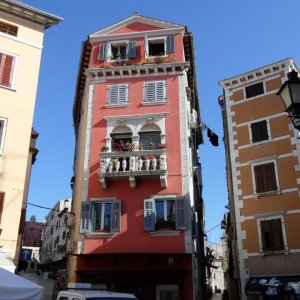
[231, 37]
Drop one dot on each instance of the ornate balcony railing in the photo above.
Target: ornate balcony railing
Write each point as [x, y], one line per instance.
[132, 164]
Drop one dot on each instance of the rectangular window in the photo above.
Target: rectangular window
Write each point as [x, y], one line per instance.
[271, 235]
[259, 131]
[254, 90]
[265, 177]
[6, 69]
[155, 91]
[160, 46]
[2, 195]
[2, 133]
[8, 29]
[100, 216]
[118, 94]
[164, 214]
[119, 50]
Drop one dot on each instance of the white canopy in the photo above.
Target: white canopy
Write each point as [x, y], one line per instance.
[14, 287]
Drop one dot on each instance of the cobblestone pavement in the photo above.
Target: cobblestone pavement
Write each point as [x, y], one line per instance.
[46, 283]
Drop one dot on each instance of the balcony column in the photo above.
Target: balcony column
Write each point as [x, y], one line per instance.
[136, 141]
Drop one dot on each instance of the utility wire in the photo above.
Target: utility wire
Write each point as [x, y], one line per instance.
[214, 227]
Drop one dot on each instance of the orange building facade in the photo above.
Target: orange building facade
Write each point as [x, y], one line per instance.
[262, 155]
[136, 120]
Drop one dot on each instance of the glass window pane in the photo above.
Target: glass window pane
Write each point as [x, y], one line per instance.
[97, 216]
[107, 216]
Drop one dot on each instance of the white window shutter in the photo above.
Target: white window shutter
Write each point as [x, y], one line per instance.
[113, 94]
[116, 216]
[123, 93]
[150, 92]
[160, 91]
[149, 214]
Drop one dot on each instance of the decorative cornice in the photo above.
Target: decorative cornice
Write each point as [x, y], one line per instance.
[145, 70]
[136, 116]
[268, 70]
[29, 13]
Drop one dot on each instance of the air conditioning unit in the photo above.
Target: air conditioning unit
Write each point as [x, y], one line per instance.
[71, 220]
[70, 247]
[193, 119]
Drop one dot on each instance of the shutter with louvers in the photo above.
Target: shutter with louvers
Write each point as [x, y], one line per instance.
[6, 65]
[265, 179]
[181, 213]
[113, 94]
[149, 214]
[270, 177]
[122, 93]
[2, 195]
[160, 91]
[259, 131]
[149, 91]
[271, 232]
[170, 44]
[132, 49]
[116, 216]
[85, 217]
[102, 52]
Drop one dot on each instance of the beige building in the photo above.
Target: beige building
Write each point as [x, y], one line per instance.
[262, 155]
[21, 42]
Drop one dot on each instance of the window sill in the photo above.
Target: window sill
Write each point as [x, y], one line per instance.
[263, 194]
[165, 232]
[97, 235]
[261, 142]
[7, 88]
[154, 103]
[275, 252]
[116, 105]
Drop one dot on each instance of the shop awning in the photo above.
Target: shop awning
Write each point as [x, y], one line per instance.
[277, 285]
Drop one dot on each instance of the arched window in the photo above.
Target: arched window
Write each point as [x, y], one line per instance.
[120, 136]
[150, 135]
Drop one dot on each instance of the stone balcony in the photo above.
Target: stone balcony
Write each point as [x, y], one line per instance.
[147, 164]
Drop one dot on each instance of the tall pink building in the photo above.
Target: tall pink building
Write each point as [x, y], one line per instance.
[137, 191]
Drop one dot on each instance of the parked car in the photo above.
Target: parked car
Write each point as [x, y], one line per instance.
[77, 294]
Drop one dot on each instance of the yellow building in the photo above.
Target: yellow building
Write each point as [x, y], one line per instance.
[263, 172]
[21, 42]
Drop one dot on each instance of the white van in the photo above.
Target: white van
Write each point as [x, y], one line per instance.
[77, 294]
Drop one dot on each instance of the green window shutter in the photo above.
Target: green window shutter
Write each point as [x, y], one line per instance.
[181, 210]
[170, 44]
[149, 214]
[149, 91]
[102, 52]
[85, 217]
[132, 49]
[116, 216]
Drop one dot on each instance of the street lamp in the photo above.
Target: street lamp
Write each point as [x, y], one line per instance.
[290, 95]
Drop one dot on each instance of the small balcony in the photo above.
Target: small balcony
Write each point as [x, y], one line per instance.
[147, 164]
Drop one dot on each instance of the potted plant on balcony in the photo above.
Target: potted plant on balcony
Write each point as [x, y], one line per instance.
[104, 148]
[128, 146]
[161, 146]
[141, 147]
[151, 146]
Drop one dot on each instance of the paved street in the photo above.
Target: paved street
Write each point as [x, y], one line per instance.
[216, 297]
[46, 283]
